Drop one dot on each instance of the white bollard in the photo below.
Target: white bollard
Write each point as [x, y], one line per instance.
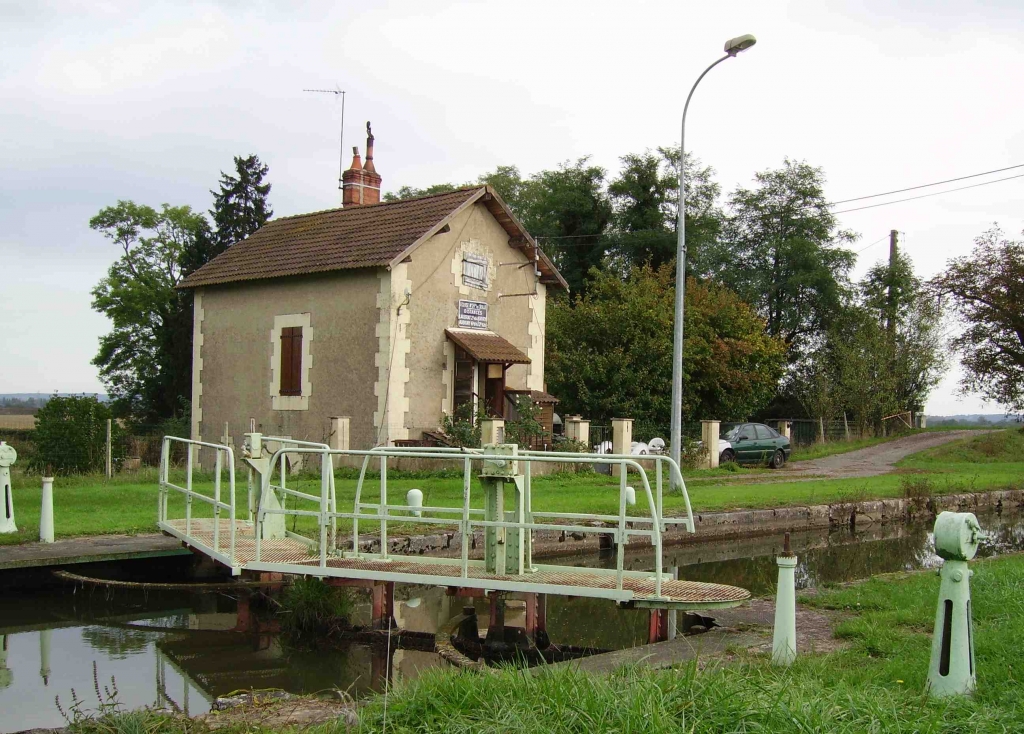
[46, 512]
[784, 639]
[414, 498]
[630, 496]
[7, 457]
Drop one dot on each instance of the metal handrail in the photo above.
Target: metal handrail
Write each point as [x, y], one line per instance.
[165, 484]
[383, 514]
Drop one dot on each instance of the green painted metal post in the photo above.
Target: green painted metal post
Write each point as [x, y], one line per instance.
[494, 511]
[784, 637]
[952, 670]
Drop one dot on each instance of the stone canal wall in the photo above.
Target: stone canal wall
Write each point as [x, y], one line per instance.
[735, 523]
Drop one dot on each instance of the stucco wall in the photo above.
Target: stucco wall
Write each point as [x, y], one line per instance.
[435, 277]
[236, 350]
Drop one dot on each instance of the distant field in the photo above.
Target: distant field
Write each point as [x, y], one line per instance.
[17, 422]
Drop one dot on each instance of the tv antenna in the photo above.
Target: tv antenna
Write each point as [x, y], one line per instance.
[341, 153]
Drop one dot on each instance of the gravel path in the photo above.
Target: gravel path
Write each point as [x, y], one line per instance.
[874, 460]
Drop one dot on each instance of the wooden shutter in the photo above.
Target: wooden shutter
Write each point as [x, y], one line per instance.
[291, 360]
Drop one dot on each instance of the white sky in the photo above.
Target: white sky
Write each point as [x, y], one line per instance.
[149, 101]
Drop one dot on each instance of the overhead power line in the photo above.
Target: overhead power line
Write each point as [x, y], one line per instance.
[927, 185]
[925, 196]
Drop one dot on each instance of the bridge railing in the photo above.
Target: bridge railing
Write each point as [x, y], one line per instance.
[224, 458]
[384, 512]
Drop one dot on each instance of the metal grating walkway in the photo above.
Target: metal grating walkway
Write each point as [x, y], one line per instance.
[293, 556]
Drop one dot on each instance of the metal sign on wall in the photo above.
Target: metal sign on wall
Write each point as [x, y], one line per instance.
[472, 314]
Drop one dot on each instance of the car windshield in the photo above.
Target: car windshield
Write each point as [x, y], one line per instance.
[732, 433]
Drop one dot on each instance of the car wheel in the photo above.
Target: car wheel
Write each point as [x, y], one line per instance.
[727, 456]
[778, 459]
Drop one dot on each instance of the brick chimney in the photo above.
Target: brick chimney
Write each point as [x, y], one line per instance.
[361, 182]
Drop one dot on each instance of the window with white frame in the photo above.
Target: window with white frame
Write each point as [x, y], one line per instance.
[474, 270]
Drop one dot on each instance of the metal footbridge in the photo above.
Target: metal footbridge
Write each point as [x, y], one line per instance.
[259, 539]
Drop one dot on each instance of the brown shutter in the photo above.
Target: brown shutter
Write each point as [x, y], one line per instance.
[291, 360]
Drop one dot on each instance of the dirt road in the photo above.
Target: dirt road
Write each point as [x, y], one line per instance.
[874, 460]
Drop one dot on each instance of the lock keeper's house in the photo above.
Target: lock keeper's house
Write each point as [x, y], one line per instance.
[391, 314]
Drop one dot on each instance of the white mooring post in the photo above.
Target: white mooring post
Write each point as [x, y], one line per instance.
[7, 457]
[784, 639]
[952, 671]
[46, 512]
[45, 646]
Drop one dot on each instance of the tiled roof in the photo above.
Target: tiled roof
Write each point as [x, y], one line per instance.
[486, 346]
[538, 396]
[335, 239]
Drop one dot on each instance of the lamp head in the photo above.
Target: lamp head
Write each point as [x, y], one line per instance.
[741, 43]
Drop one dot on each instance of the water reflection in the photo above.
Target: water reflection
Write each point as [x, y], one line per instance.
[180, 651]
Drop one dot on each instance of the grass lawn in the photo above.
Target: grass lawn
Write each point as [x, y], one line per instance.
[87, 505]
[875, 685]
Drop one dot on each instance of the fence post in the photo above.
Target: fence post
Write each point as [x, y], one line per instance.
[709, 431]
[578, 429]
[110, 467]
[821, 429]
[786, 429]
[846, 426]
[492, 430]
[622, 440]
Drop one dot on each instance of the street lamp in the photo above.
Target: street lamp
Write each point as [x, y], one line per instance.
[732, 47]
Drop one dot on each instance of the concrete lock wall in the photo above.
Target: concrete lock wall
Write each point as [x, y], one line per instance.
[236, 348]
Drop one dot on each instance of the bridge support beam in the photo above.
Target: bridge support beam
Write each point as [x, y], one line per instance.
[384, 605]
[536, 614]
[658, 629]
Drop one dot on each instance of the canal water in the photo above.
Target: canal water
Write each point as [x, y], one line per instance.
[183, 650]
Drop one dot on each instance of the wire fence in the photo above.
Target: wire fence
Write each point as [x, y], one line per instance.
[124, 448]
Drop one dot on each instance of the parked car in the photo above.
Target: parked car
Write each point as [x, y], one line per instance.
[755, 443]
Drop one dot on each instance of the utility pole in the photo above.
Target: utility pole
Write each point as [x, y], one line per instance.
[890, 316]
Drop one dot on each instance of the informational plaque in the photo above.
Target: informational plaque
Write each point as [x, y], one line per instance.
[472, 314]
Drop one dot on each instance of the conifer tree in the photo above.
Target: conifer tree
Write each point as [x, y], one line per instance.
[241, 206]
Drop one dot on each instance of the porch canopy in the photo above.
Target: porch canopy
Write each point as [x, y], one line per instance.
[486, 347]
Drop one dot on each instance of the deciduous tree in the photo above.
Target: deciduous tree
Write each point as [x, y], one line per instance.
[139, 359]
[611, 354]
[783, 252]
[986, 290]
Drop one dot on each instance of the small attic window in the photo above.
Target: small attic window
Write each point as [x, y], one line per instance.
[474, 271]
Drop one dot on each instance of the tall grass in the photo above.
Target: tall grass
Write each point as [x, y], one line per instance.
[875, 685]
[311, 609]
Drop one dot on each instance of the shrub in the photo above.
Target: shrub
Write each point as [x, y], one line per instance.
[311, 607]
[71, 435]
[524, 429]
[460, 429]
[563, 443]
[916, 487]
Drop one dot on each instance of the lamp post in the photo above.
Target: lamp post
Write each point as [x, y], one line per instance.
[732, 47]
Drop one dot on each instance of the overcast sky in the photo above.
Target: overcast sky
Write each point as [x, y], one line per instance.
[103, 101]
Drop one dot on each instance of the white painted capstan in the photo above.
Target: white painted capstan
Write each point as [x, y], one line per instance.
[7, 457]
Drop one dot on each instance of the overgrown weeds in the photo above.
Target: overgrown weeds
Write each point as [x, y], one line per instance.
[312, 609]
[916, 487]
